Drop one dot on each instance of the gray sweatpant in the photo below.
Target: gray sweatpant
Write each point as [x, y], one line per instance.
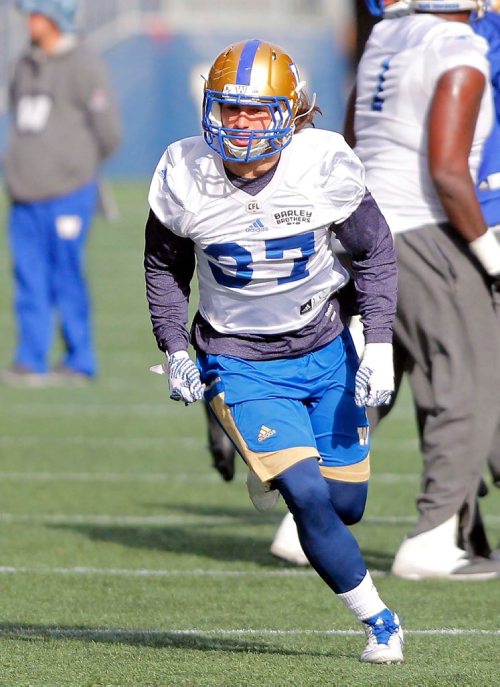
[447, 339]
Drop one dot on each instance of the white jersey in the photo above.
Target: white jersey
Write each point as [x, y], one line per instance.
[265, 262]
[403, 60]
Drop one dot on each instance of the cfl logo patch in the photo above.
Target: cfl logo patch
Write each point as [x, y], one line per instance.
[253, 206]
[363, 435]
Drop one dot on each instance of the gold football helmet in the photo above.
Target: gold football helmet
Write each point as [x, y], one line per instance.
[252, 73]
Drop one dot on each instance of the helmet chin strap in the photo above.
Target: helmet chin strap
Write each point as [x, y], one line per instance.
[241, 152]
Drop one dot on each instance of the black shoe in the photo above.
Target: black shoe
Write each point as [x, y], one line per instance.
[223, 459]
[221, 449]
[495, 475]
[482, 489]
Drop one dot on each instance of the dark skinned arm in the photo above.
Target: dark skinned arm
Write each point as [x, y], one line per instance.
[452, 120]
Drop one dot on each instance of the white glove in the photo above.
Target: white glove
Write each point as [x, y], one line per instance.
[183, 377]
[486, 248]
[374, 383]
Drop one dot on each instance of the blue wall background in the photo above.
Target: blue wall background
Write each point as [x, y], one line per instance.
[153, 76]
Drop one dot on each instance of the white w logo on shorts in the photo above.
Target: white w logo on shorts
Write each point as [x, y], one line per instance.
[363, 434]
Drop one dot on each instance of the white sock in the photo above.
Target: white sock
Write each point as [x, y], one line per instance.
[363, 600]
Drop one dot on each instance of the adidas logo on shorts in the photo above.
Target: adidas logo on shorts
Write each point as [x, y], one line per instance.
[265, 433]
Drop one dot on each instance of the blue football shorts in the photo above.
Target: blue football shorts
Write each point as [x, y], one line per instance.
[279, 412]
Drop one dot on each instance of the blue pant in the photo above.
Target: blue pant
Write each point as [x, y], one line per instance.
[47, 240]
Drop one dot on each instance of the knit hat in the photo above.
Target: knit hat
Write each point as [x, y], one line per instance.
[61, 12]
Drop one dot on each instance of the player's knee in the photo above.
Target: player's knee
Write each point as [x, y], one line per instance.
[349, 500]
[351, 515]
[303, 487]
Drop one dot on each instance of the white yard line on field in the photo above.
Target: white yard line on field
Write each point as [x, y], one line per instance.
[119, 520]
[385, 477]
[132, 443]
[136, 442]
[145, 572]
[120, 632]
[118, 477]
[98, 410]
[182, 519]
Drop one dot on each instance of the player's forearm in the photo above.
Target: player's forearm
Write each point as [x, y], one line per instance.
[458, 198]
[368, 240]
[169, 266]
[168, 307]
[169, 325]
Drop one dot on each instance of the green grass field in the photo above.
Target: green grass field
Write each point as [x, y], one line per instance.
[126, 561]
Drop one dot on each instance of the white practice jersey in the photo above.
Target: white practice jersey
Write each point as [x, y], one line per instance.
[265, 262]
[403, 60]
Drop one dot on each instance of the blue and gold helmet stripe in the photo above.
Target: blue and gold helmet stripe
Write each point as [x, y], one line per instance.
[246, 61]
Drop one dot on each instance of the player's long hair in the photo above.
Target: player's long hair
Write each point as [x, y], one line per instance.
[306, 113]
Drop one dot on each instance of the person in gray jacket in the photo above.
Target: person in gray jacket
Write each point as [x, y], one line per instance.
[65, 123]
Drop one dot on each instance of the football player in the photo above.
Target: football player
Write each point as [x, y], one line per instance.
[488, 26]
[285, 544]
[423, 112]
[254, 204]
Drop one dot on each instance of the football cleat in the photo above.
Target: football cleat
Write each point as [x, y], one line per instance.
[286, 544]
[385, 639]
[435, 554]
[263, 497]
[478, 568]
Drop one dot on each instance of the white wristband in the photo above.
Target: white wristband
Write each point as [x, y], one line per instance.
[178, 355]
[487, 250]
[378, 356]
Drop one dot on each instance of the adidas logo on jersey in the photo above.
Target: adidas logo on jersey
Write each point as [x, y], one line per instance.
[265, 433]
[314, 301]
[257, 225]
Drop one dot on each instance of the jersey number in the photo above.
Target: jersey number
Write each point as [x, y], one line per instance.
[275, 250]
[378, 98]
